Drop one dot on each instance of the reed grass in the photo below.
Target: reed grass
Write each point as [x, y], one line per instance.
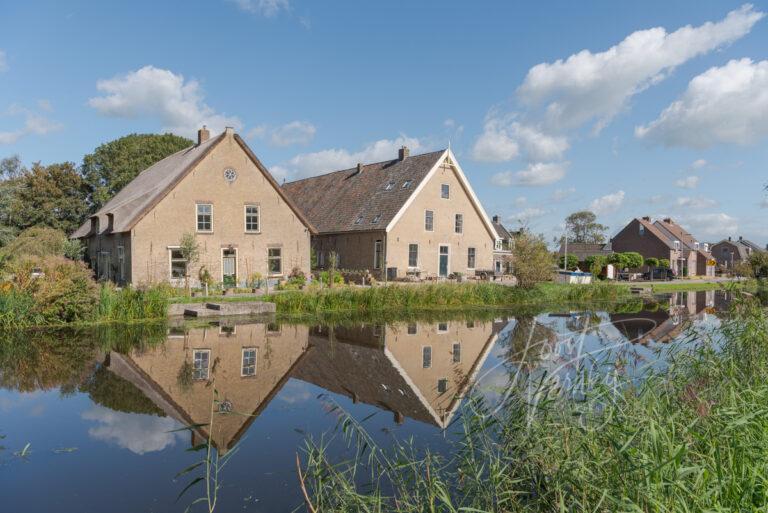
[130, 304]
[694, 438]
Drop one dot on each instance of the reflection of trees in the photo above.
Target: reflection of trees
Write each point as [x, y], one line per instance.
[108, 389]
[528, 339]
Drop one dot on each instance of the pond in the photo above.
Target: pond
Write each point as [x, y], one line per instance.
[93, 420]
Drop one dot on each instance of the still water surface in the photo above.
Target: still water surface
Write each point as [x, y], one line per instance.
[99, 409]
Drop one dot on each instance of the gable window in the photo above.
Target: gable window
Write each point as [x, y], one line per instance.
[677, 244]
[642, 230]
[359, 220]
[413, 255]
[442, 385]
[696, 246]
[275, 260]
[498, 245]
[458, 225]
[407, 184]
[471, 254]
[426, 357]
[252, 219]
[456, 353]
[378, 250]
[204, 217]
[201, 360]
[249, 362]
[429, 220]
[178, 264]
[445, 191]
[376, 219]
[389, 186]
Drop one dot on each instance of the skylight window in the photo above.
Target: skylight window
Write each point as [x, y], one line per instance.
[407, 184]
[389, 186]
[359, 220]
[376, 219]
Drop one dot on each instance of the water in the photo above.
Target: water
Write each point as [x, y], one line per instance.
[99, 409]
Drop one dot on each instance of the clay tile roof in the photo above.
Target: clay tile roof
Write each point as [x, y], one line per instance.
[333, 202]
[502, 231]
[649, 227]
[679, 233]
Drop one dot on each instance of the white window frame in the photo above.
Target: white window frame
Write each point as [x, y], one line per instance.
[195, 352]
[416, 266]
[237, 264]
[246, 214]
[445, 191]
[498, 245]
[424, 351]
[432, 220]
[458, 223]
[439, 246]
[280, 258]
[255, 361]
[197, 217]
[677, 245]
[170, 265]
[474, 257]
[378, 253]
[696, 246]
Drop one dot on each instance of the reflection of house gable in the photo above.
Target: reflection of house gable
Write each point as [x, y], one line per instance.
[157, 373]
[385, 366]
[663, 325]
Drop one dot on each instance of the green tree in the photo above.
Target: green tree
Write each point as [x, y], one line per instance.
[53, 196]
[113, 164]
[573, 262]
[595, 264]
[190, 252]
[619, 260]
[664, 263]
[583, 227]
[11, 172]
[634, 260]
[39, 241]
[759, 263]
[533, 261]
[652, 262]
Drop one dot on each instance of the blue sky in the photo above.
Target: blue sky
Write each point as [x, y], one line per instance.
[652, 108]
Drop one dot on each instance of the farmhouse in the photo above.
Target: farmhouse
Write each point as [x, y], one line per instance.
[217, 190]
[411, 216]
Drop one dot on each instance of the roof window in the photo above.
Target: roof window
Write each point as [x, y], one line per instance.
[407, 184]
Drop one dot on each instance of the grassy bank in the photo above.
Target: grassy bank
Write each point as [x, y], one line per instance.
[663, 287]
[691, 439]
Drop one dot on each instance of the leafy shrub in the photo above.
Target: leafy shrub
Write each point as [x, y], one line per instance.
[652, 262]
[664, 263]
[39, 241]
[533, 261]
[323, 277]
[573, 262]
[255, 280]
[595, 264]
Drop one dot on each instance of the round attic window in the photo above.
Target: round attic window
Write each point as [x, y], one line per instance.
[230, 175]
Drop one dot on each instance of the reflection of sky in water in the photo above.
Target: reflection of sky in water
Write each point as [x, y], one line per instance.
[138, 433]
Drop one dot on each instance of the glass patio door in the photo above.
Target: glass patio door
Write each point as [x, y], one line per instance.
[229, 267]
[443, 263]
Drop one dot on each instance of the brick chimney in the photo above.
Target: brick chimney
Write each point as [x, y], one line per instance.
[403, 153]
[647, 218]
[203, 135]
[359, 167]
[496, 219]
[668, 220]
[740, 237]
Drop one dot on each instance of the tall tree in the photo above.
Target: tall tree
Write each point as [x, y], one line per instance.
[11, 172]
[582, 226]
[52, 196]
[113, 164]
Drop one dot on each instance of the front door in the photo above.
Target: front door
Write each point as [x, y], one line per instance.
[443, 267]
[229, 267]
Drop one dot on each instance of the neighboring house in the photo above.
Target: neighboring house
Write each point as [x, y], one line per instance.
[502, 252]
[219, 191]
[696, 254]
[729, 253]
[414, 215]
[644, 237]
[584, 250]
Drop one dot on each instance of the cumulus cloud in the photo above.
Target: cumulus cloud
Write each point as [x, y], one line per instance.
[698, 164]
[139, 434]
[295, 132]
[588, 86]
[689, 182]
[536, 174]
[266, 8]
[520, 201]
[503, 138]
[3, 61]
[159, 93]
[727, 104]
[33, 124]
[526, 215]
[563, 194]
[311, 164]
[714, 225]
[607, 204]
[699, 202]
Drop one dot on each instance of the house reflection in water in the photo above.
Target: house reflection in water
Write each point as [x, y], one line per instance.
[419, 371]
[665, 320]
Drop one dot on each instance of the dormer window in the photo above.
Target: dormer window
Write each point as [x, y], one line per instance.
[407, 184]
[498, 245]
[677, 245]
[696, 246]
[376, 219]
[359, 220]
[389, 186]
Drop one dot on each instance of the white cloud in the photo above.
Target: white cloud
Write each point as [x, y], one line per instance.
[698, 164]
[34, 124]
[312, 164]
[520, 201]
[3, 61]
[714, 225]
[503, 139]
[590, 86]
[139, 434]
[563, 194]
[527, 214]
[727, 104]
[295, 132]
[159, 93]
[266, 8]
[536, 174]
[689, 182]
[607, 204]
[699, 202]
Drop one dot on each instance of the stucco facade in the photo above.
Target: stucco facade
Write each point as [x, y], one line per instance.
[147, 248]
